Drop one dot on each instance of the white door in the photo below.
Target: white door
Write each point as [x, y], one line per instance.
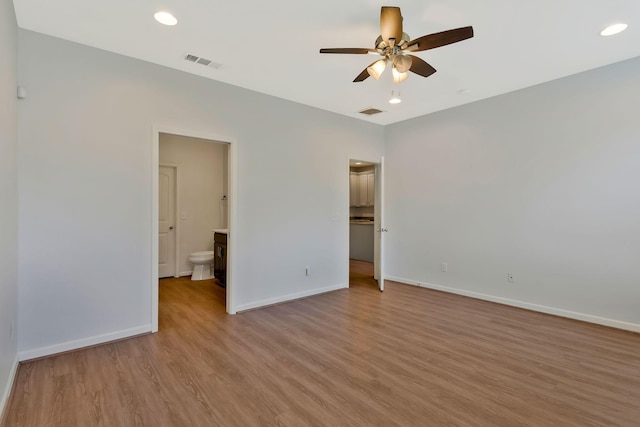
[167, 222]
[379, 224]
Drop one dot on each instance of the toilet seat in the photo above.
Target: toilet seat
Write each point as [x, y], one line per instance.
[201, 265]
[204, 255]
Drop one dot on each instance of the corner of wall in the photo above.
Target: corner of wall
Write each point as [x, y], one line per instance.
[8, 199]
[4, 398]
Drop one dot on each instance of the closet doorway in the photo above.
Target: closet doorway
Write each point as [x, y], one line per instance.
[366, 222]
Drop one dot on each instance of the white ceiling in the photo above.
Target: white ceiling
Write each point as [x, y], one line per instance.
[272, 46]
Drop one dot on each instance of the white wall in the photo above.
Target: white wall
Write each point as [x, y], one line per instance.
[543, 183]
[85, 166]
[201, 187]
[8, 197]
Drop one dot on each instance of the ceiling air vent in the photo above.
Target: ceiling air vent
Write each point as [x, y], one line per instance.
[202, 61]
[370, 111]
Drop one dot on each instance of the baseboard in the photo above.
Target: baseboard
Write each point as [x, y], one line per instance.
[81, 343]
[7, 389]
[522, 304]
[288, 297]
[185, 273]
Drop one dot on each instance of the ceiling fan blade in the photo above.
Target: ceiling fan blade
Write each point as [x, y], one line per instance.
[362, 76]
[420, 67]
[440, 39]
[354, 50]
[391, 23]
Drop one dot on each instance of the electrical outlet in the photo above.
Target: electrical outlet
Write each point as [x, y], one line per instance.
[307, 271]
[444, 267]
[510, 277]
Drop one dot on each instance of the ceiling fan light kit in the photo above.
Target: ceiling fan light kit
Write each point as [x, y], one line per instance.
[377, 68]
[399, 77]
[402, 63]
[395, 46]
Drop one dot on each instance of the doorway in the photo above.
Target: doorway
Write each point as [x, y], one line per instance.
[365, 242]
[226, 205]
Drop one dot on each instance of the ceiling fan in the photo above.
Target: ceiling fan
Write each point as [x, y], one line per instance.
[396, 47]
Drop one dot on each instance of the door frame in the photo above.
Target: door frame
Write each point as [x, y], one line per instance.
[176, 209]
[379, 184]
[232, 164]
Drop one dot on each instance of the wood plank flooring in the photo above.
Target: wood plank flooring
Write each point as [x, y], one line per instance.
[354, 357]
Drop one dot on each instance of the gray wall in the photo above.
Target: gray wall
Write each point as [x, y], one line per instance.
[8, 196]
[85, 168]
[543, 183]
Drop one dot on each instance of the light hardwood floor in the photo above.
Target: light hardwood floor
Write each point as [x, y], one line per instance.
[357, 357]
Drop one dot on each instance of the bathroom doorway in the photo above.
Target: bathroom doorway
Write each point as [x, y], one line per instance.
[200, 205]
[203, 166]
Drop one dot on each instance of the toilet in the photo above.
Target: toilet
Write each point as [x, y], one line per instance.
[201, 265]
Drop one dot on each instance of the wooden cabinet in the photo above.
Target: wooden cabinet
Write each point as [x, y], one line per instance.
[362, 189]
[220, 258]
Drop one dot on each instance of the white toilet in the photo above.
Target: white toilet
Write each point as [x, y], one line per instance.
[201, 265]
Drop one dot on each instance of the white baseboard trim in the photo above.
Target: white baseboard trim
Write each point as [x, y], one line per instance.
[8, 387]
[288, 297]
[185, 273]
[83, 342]
[522, 304]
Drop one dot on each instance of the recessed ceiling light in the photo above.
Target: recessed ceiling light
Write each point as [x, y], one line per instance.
[358, 163]
[613, 29]
[395, 97]
[165, 18]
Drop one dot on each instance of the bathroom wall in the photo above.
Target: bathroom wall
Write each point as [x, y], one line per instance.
[8, 199]
[201, 186]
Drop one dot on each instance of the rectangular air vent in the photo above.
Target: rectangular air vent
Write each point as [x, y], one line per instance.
[202, 61]
[370, 111]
